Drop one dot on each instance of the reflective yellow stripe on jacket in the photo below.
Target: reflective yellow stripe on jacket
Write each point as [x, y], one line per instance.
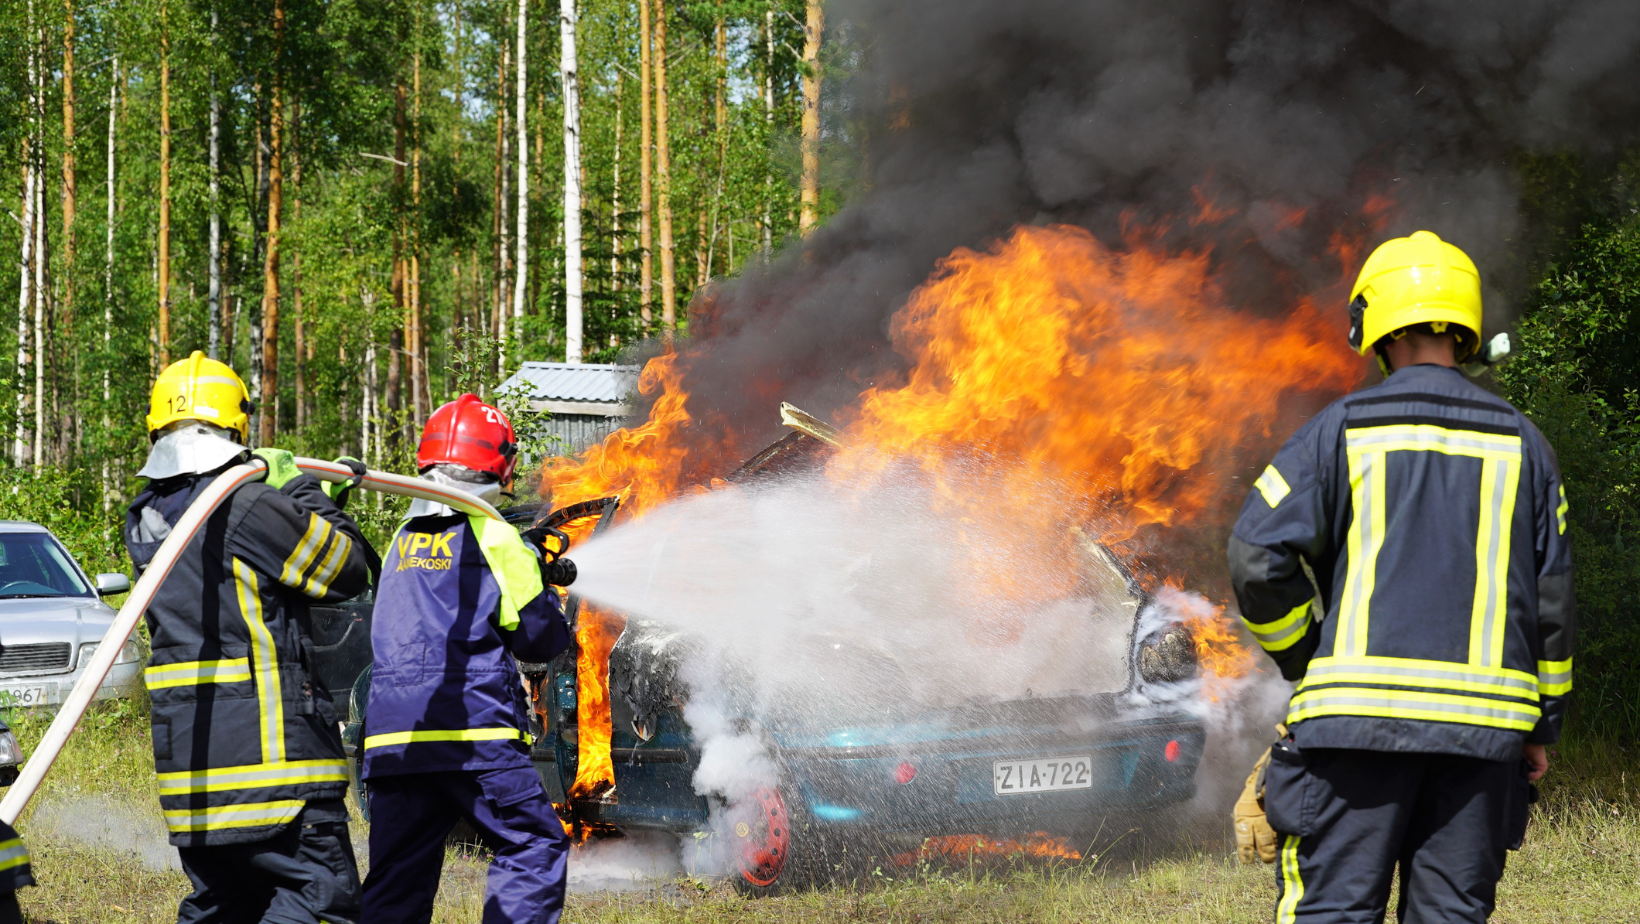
[255, 776]
[468, 734]
[1284, 632]
[244, 815]
[323, 551]
[269, 705]
[1554, 678]
[193, 673]
[13, 854]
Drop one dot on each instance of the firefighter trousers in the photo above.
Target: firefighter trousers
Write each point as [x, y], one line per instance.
[1348, 818]
[304, 874]
[412, 815]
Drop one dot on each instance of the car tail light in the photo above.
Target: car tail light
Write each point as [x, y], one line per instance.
[1171, 752]
[905, 773]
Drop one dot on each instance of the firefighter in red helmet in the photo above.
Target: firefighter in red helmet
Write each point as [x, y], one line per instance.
[446, 728]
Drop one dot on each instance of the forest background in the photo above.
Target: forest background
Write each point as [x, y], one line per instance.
[338, 198]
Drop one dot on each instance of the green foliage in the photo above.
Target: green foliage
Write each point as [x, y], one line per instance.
[1576, 374]
[69, 504]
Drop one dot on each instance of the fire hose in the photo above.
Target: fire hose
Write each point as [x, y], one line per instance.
[79, 698]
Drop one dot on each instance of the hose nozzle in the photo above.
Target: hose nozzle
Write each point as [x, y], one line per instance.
[1494, 353]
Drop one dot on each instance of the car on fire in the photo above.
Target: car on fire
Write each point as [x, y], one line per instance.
[872, 774]
[51, 620]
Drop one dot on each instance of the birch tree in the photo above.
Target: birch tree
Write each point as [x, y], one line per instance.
[572, 180]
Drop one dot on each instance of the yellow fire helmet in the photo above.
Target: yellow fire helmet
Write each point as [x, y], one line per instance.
[1416, 280]
[203, 389]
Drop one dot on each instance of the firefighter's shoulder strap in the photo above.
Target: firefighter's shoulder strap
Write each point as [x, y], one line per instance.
[1255, 839]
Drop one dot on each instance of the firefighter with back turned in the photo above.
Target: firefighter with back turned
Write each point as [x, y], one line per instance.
[246, 747]
[1433, 650]
[446, 733]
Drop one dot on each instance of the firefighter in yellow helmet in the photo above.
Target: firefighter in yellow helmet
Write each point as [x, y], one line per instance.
[250, 763]
[1433, 652]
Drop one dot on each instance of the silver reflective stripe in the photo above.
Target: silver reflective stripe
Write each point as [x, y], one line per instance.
[290, 773]
[1499, 481]
[1366, 477]
[1347, 702]
[1429, 438]
[1276, 637]
[1330, 670]
[13, 854]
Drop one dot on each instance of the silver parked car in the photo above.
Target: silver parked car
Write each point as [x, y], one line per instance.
[51, 620]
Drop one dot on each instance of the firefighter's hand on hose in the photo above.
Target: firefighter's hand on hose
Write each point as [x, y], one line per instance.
[1255, 839]
[281, 466]
[555, 569]
[339, 491]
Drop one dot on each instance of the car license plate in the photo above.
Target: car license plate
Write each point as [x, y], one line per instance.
[27, 696]
[1052, 774]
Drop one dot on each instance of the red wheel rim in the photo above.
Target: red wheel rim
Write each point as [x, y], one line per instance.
[765, 835]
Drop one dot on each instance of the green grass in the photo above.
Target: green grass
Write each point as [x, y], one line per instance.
[99, 853]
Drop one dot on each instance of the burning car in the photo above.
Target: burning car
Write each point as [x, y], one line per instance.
[874, 771]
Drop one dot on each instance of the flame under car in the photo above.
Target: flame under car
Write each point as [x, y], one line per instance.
[858, 767]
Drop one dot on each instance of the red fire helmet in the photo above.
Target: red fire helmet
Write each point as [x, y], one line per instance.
[469, 433]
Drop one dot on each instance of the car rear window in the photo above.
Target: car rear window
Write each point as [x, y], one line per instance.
[35, 565]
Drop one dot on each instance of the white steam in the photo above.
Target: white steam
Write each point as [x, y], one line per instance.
[814, 605]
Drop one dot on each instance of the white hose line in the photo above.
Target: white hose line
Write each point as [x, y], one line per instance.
[73, 709]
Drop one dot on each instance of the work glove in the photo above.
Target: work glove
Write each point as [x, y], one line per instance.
[1255, 839]
[536, 538]
[555, 569]
[281, 466]
[338, 491]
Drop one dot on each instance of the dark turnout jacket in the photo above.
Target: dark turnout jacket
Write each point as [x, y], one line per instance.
[243, 733]
[1432, 516]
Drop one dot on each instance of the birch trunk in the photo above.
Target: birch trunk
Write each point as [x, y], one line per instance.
[768, 124]
[646, 181]
[108, 280]
[615, 183]
[65, 307]
[663, 185]
[21, 449]
[213, 292]
[572, 180]
[521, 236]
[395, 336]
[810, 194]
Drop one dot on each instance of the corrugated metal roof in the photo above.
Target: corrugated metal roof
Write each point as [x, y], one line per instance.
[574, 382]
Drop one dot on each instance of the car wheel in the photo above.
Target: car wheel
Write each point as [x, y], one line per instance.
[763, 833]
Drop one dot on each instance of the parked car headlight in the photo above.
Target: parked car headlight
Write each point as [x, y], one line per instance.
[1169, 656]
[11, 753]
[129, 652]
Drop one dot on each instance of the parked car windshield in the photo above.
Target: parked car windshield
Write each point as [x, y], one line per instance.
[35, 565]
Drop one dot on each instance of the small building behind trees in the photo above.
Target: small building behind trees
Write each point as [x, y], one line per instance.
[569, 406]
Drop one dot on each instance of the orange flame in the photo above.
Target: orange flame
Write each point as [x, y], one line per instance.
[1038, 845]
[643, 466]
[1122, 378]
[1116, 389]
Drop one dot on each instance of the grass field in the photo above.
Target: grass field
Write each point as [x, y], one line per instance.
[100, 856]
